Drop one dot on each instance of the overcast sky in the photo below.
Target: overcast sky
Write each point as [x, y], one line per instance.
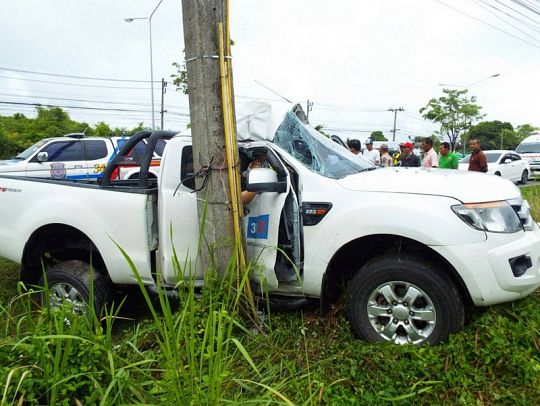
[354, 59]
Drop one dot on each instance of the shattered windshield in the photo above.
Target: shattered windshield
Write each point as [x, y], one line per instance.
[316, 152]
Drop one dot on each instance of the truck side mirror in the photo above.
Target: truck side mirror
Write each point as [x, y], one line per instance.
[42, 156]
[264, 180]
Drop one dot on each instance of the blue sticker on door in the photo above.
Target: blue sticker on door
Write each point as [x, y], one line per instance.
[258, 227]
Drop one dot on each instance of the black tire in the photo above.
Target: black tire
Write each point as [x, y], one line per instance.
[69, 281]
[497, 174]
[524, 177]
[401, 322]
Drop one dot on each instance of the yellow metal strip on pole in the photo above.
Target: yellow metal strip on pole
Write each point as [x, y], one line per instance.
[231, 154]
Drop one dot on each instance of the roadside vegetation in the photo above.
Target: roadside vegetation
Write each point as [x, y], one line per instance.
[203, 351]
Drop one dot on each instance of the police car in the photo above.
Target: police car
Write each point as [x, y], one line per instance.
[73, 156]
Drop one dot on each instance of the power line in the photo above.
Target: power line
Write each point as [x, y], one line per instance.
[82, 107]
[479, 3]
[107, 101]
[75, 77]
[76, 84]
[488, 24]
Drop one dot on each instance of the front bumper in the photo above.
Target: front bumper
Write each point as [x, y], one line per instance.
[485, 268]
[535, 170]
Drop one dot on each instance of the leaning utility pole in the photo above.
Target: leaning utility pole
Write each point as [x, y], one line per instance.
[202, 47]
[395, 118]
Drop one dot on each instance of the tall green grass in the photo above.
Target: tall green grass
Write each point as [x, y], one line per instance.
[532, 194]
[199, 349]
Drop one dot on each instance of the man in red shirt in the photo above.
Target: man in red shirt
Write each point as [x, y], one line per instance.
[478, 161]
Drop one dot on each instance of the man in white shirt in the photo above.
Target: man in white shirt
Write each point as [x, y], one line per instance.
[372, 155]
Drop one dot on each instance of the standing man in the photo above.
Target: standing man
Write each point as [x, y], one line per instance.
[431, 159]
[372, 155]
[354, 146]
[478, 161]
[408, 159]
[397, 155]
[447, 160]
[386, 159]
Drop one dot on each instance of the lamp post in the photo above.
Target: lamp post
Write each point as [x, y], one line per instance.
[471, 84]
[129, 20]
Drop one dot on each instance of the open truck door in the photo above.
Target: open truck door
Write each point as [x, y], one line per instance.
[269, 222]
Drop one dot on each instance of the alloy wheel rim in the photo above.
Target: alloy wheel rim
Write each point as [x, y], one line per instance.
[65, 294]
[401, 312]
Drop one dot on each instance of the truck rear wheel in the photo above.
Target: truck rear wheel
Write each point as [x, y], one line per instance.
[405, 300]
[69, 283]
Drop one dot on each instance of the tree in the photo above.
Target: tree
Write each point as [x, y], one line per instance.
[102, 130]
[494, 135]
[180, 77]
[7, 147]
[455, 113]
[525, 130]
[18, 132]
[378, 136]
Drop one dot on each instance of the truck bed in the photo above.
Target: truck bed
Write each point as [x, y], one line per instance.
[121, 213]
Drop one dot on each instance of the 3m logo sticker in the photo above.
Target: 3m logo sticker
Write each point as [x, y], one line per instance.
[258, 227]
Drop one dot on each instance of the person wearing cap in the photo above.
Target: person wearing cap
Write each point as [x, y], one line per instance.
[447, 160]
[386, 159]
[408, 159]
[372, 155]
[354, 146]
[431, 159]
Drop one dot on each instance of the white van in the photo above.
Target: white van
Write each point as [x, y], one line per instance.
[529, 149]
[73, 156]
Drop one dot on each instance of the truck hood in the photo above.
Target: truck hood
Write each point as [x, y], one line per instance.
[467, 187]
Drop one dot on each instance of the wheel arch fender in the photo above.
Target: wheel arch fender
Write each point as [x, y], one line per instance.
[57, 241]
[351, 257]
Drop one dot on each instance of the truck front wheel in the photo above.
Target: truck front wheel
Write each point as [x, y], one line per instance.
[69, 282]
[404, 300]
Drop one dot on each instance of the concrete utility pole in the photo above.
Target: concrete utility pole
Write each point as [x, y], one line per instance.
[200, 18]
[163, 91]
[395, 118]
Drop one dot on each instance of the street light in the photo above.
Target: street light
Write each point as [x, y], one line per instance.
[130, 20]
[472, 84]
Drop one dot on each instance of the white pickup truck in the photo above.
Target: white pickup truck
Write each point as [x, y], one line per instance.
[407, 249]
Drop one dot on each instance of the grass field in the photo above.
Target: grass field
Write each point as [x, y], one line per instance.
[206, 353]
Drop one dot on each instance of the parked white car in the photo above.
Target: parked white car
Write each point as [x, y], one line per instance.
[503, 163]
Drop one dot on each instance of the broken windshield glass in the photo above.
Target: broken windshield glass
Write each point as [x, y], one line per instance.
[315, 151]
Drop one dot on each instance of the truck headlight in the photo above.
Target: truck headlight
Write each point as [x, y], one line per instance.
[496, 217]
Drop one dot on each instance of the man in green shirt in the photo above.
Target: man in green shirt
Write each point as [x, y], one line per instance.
[447, 160]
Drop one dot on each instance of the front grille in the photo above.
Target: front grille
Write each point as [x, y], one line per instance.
[523, 210]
